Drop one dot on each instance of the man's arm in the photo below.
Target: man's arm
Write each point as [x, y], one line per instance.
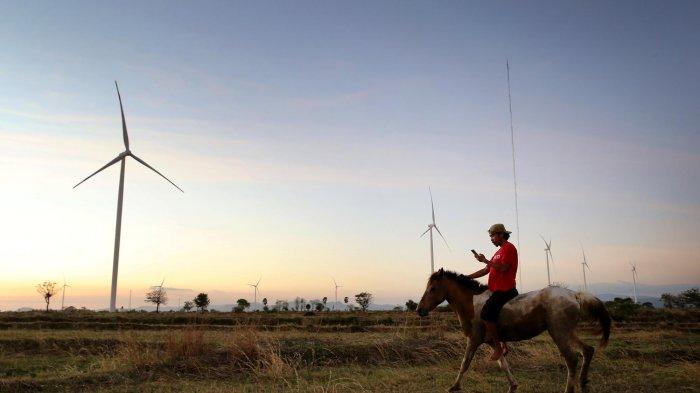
[479, 273]
[509, 257]
[501, 267]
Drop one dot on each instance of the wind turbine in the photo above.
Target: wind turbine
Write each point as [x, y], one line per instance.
[63, 294]
[336, 291]
[430, 229]
[548, 255]
[584, 266]
[255, 302]
[117, 233]
[634, 279]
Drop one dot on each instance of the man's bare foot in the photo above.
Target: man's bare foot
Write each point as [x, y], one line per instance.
[497, 351]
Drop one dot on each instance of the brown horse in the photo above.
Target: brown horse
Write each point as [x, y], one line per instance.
[554, 309]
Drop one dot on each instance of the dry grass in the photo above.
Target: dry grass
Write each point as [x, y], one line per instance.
[403, 358]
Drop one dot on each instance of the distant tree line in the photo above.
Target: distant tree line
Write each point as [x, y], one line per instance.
[685, 299]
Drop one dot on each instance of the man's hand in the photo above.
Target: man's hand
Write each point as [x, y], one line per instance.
[481, 258]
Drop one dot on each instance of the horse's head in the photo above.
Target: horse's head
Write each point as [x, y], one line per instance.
[435, 293]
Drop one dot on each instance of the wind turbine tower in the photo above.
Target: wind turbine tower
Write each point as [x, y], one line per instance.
[63, 293]
[336, 292]
[634, 280]
[255, 295]
[432, 226]
[121, 158]
[584, 266]
[548, 256]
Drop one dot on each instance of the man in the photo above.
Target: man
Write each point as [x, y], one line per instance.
[501, 270]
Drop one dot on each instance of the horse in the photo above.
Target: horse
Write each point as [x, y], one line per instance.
[554, 309]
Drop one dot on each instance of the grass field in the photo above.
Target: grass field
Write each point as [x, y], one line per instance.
[338, 352]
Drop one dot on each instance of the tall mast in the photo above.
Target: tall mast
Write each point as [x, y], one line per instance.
[515, 183]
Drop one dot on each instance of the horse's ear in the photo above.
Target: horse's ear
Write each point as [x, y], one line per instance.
[441, 271]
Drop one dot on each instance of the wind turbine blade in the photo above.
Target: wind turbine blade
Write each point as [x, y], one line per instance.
[545, 242]
[126, 136]
[334, 283]
[443, 238]
[114, 161]
[426, 231]
[256, 284]
[154, 170]
[432, 206]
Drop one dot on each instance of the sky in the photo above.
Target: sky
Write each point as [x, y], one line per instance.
[306, 134]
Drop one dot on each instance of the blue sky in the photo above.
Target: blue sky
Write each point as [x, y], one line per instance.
[305, 135]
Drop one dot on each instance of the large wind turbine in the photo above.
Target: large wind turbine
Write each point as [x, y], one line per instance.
[117, 235]
[584, 266]
[430, 229]
[63, 293]
[336, 292]
[255, 301]
[634, 279]
[548, 255]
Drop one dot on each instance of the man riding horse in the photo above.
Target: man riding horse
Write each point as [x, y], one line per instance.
[501, 270]
[484, 316]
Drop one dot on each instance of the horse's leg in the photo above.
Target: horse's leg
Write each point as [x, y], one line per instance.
[468, 356]
[511, 379]
[562, 340]
[587, 351]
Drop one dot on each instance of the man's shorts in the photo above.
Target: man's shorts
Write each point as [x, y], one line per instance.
[495, 303]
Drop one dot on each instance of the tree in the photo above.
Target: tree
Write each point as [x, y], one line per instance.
[319, 306]
[346, 300]
[364, 299]
[202, 301]
[281, 305]
[324, 300]
[687, 299]
[47, 289]
[398, 308]
[157, 296]
[691, 298]
[411, 305]
[308, 306]
[187, 306]
[242, 304]
[265, 308]
[669, 301]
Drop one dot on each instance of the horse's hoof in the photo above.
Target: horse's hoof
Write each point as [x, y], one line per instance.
[454, 388]
[512, 388]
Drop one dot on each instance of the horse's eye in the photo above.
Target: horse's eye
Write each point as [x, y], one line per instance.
[432, 289]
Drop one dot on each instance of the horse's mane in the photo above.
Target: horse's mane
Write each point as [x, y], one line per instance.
[461, 279]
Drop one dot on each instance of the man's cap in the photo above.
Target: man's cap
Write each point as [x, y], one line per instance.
[498, 228]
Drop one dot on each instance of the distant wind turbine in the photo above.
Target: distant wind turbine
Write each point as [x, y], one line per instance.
[117, 235]
[584, 266]
[634, 279]
[336, 292]
[255, 286]
[63, 294]
[430, 230]
[548, 255]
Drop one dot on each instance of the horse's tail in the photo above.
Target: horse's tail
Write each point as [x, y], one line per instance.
[595, 309]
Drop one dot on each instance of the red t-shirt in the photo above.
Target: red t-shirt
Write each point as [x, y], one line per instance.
[504, 281]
